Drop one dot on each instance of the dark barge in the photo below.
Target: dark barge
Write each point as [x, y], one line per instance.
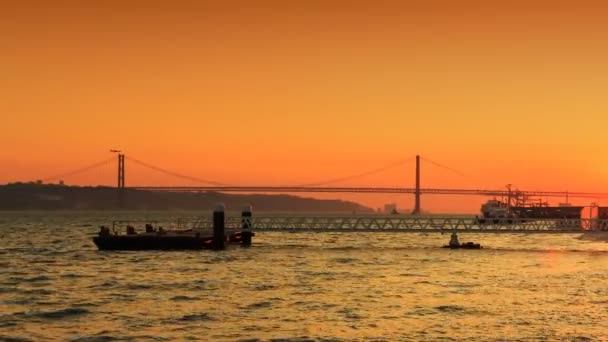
[191, 239]
[167, 241]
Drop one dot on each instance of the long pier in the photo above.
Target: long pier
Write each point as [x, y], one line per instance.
[410, 224]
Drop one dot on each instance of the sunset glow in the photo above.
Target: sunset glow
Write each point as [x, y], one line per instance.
[287, 93]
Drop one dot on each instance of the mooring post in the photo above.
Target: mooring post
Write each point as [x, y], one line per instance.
[219, 237]
[246, 226]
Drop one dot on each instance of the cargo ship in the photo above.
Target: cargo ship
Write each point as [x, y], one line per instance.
[496, 209]
[516, 205]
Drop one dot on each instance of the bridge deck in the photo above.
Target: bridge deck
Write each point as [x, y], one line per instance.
[404, 224]
[385, 190]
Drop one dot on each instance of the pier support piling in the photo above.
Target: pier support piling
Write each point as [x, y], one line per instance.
[246, 226]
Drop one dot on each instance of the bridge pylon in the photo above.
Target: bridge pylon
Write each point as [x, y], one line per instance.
[121, 181]
[121, 171]
[416, 210]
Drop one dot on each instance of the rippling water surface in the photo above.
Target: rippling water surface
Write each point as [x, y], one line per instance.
[55, 285]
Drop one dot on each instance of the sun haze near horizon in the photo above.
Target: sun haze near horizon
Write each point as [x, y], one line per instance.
[280, 93]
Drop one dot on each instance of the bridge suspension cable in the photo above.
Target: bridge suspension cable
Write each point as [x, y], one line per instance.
[78, 171]
[174, 174]
[458, 172]
[359, 175]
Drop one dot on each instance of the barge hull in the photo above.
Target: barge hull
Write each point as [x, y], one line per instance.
[151, 242]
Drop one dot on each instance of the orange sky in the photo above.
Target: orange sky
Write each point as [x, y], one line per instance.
[291, 92]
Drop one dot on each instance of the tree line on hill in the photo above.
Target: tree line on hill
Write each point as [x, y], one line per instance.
[39, 196]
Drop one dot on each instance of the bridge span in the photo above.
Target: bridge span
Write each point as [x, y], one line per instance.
[378, 190]
[402, 224]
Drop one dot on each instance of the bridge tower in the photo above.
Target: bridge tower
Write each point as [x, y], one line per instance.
[416, 210]
[121, 180]
[121, 171]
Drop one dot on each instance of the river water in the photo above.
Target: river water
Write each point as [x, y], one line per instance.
[55, 285]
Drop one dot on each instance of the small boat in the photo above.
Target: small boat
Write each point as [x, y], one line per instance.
[467, 245]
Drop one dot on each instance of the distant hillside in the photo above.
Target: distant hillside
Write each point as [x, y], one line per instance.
[36, 196]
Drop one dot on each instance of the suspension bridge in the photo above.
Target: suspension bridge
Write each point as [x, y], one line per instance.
[321, 186]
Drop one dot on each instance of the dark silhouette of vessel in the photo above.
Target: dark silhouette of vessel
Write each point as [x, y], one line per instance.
[160, 239]
[196, 237]
[500, 212]
[466, 245]
[455, 244]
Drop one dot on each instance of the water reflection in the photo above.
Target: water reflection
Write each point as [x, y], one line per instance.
[55, 285]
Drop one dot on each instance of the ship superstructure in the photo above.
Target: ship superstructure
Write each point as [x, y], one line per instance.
[518, 205]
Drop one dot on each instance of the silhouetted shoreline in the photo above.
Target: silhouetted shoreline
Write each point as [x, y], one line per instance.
[35, 196]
